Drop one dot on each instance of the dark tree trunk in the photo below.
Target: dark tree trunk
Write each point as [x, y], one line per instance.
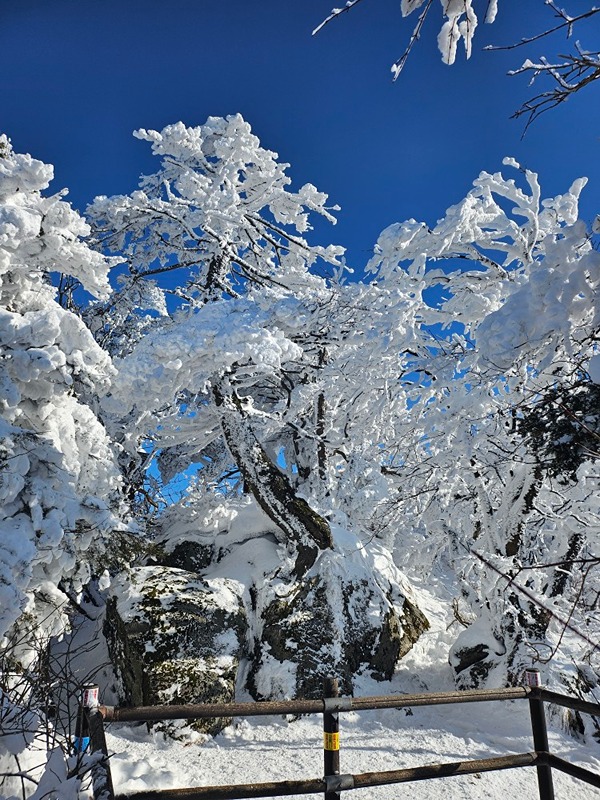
[320, 426]
[308, 531]
[561, 575]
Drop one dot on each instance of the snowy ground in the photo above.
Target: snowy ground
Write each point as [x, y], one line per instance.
[371, 741]
[268, 749]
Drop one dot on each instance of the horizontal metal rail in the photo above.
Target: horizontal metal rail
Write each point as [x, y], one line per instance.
[274, 708]
[568, 702]
[573, 770]
[332, 784]
[340, 782]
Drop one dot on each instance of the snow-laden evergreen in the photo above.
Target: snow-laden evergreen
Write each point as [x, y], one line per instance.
[59, 481]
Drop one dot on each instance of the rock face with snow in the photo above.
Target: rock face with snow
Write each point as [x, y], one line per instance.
[359, 628]
[343, 619]
[176, 638]
[225, 613]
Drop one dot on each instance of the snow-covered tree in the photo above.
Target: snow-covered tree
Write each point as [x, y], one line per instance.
[504, 328]
[269, 373]
[59, 482]
[267, 368]
[219, 212]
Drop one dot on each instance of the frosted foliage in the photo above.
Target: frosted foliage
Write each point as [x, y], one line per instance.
[317, 379]
[283, 338]
[197, 348]
[220, 205]
[456, 28]
[532, 283]
[460, 23]
[45, 231]
[491, 336]
[58, 479]
[519, 312]
[408, 6]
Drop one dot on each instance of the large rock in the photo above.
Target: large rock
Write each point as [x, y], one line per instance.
[175, 637]
[179, 636]
[354, 612]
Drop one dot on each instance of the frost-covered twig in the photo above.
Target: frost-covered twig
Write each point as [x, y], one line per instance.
[568, 22]
[398, 65]
[561, 563]
[566, 623]
[453, 30]
[335, 12]
[575, 72]
[461, 22]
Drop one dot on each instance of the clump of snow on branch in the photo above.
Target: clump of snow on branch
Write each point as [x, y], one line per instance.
[532, 282]
[59, 483]
[461, 22]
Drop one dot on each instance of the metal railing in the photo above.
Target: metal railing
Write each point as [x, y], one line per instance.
[93, 718]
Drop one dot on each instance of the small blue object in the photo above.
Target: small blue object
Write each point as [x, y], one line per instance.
[81, 743]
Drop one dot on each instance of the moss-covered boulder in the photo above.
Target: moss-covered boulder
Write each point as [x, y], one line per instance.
[353, 613]
[175, 637]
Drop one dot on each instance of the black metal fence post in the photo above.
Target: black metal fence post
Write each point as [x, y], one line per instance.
[540, 734]
[331, 737]
[89, 737]
[102, 784]
[88, 699]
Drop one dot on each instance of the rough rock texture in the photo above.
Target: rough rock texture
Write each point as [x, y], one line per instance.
[341, 620]
[497, 647]
[176, 638]
[178, 632]
[192, 556]
[472, 665]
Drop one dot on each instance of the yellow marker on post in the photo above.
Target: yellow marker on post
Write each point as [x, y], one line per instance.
[331, 741]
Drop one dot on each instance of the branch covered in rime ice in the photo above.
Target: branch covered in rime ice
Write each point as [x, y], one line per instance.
[567, 21]
[335, 12]
[218, 208]
[460, 24]
[575, 71]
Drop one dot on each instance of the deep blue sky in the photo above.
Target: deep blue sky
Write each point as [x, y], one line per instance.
[77, 76]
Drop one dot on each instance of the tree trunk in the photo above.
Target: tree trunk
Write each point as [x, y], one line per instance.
[320, 427]
[308, 531]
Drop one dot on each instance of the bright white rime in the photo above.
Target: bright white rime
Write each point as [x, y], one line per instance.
[460, 24]
[59, 483]
[395, 404]
[394, 409]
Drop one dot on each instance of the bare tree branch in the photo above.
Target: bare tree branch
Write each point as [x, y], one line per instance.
[335, 12]
[398, 65]
[568, 23]
[576, 71]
